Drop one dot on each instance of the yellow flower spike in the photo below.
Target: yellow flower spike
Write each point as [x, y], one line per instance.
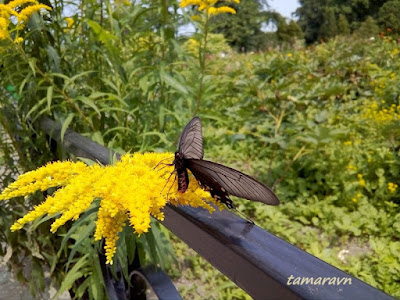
[14, 4]
[130, 190]
[28, 11]
[4, 34]
[209, 6]
[70, 22]
[50, 175]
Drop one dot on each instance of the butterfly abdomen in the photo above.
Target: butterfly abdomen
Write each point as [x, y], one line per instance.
[181, 172]
[183, 181]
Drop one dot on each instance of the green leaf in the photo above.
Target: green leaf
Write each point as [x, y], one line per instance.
[49, 96]
[32, 65]
[77, 271]
[65, 125]
[174, 83]
[85, 234]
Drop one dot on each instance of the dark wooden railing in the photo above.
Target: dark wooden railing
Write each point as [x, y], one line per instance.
[262, 264]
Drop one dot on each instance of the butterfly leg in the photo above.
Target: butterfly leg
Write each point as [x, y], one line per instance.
[243, 215]
[167, 182]
[171, 186]
[159, 163]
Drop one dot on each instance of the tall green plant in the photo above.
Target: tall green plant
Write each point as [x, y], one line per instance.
[98, 72]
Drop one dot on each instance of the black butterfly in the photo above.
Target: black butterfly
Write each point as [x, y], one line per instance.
[219, 180]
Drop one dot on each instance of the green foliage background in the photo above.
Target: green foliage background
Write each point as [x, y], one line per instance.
[320, 124]
[321, 20]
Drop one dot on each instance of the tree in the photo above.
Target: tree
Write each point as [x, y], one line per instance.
[243, 31]
[368, 28]
[310, 15]
[288, 32]
[329, 27]
[316, 16]
[389, 16]
[343, 25]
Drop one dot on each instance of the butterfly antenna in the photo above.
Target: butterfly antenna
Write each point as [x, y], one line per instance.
[169, 138]
[243, 215]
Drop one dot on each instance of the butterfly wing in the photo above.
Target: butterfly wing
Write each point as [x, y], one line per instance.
[234, 182]
[191, 140]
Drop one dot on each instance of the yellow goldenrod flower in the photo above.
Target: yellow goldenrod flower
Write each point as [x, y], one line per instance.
[28, 11]
[4, 34]
[18, 40]
[220, 10]
[355, 199]
[361, 180]
[351, 167]
[130, 190]
[209, 6]
[4, 22]
[392, 187]
[70, 22]
[14, 4]
[382, 115]
[8, 10]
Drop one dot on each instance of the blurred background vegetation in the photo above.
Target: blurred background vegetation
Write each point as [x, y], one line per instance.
[311, 109]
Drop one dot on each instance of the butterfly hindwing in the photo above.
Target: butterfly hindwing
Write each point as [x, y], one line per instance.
[232, 181]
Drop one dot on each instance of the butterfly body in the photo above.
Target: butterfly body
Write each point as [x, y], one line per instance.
[219, 180]
[181, 171]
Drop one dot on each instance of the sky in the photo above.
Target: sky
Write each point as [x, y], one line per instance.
[284, 7]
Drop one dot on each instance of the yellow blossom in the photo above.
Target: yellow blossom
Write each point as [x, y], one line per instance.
[220, 10]
[392, 187]
[381, 114]
[4, 34]
[28, 11]
[209, 6]
[13, 8]
[18, 40]
[70, 22]
[351, 167]
[129, 191]
[14, 4]
[347, 143]
[361, 180]
[355, 199]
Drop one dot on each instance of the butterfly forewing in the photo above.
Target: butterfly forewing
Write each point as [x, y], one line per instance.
[234, 182]
[191, 140]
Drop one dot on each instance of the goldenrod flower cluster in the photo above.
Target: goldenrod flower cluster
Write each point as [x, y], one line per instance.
[21, 10]
[361, 180]
[381, 114]
[129, 191]
[355, 199]
[210, 6]
[392, 187]
[70, 22]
